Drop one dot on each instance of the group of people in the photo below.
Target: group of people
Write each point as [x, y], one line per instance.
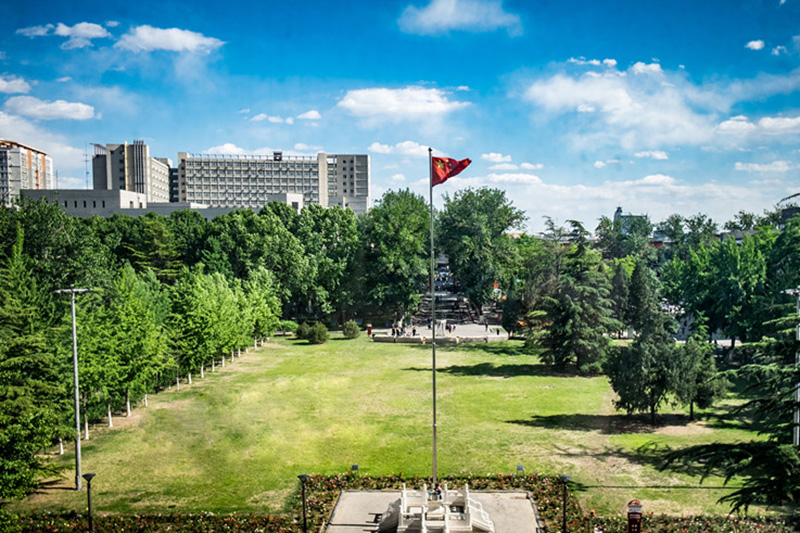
[402, 331]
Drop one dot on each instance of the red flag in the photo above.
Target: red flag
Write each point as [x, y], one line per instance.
[443, 169]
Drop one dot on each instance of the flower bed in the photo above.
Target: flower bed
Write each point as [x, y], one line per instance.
[322, 492]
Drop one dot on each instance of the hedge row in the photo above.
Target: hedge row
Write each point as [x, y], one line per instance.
[322, 491]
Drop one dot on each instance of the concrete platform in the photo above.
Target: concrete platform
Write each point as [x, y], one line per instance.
[356, 511]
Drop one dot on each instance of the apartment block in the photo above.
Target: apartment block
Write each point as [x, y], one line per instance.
[23, 167]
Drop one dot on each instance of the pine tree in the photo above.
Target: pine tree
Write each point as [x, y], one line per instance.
[29, 391]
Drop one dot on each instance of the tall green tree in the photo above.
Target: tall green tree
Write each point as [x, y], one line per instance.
[699, 383]
[29, 390]
[578, 313]
[396, 252]
[646, 373]
[473, 233]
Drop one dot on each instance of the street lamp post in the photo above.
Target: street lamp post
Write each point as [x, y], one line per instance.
[303, 478]
[72, 291]
[564, 481]
[88, 478]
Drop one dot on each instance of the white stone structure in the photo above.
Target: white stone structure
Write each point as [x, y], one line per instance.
[22, 167]
[423, 512]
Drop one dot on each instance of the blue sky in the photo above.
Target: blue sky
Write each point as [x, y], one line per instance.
[571, 107]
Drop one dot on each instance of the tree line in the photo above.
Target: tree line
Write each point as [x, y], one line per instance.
[173, 296]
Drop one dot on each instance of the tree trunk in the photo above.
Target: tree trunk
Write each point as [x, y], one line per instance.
[177, 383]
[255, 343]
[189, 378]
[85, 422]
[652, 414]
[110, 420]
[127, 402]
[202, 370]
[60, 447]
[239, 353]
[223, 361]
[213, 365]
[691, 410]
[145, 399]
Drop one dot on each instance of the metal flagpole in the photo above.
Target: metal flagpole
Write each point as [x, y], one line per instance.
[433, 312]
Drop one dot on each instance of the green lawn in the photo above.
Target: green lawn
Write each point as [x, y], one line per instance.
[236, 440]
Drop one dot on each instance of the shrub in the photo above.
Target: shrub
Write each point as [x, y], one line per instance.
[318, 334]
[302, 331]
[351, 329]
[288, 326]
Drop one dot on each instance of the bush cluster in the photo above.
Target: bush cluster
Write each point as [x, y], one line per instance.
[351, 329]
[318, 334]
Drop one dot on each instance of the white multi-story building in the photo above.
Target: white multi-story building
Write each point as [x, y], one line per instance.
[129, 167]
[251, 180]
[348, 181]
[22, 167]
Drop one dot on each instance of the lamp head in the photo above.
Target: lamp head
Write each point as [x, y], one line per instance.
[303, 477]
[88, 477]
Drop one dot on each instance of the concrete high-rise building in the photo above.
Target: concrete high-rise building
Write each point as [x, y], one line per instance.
[348, 181]
[129, 167]
[22, 167]
[252, 180]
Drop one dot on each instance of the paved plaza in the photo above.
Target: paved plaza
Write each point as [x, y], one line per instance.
[360, 511]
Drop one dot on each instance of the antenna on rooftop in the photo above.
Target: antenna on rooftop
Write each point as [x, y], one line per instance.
[86, 164]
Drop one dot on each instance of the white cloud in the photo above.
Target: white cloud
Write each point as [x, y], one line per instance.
[495, 157]
[30, 106]
[80, 35]
[406, 148]
[742, 126]
[64, 79]
[112, 23]
[311, 114]
[646, 68]
[775, 166]
[302, 147]
[653, 154]
[778, 50]
[410, 103]
[12, 84]
[755, 45]
[442, 16]
[244, 111]
[65, 157]
[35, 31]
[504, 166]
[603, 164]
[592, 62]
[633, 108]
[225, 149]
[531, 166]
[273, 119]
[147, 39]
[398, 178]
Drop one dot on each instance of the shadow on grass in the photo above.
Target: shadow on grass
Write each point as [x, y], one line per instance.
[492, 370]
[607, 424]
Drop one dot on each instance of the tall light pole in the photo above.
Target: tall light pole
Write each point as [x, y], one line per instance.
[796, 426]
[72, 291]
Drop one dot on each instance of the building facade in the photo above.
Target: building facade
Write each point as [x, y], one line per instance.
[23, 167]
[348, 181]
[250, 180]
[129, 167]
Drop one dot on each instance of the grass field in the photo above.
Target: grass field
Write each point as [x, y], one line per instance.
[236, 440]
